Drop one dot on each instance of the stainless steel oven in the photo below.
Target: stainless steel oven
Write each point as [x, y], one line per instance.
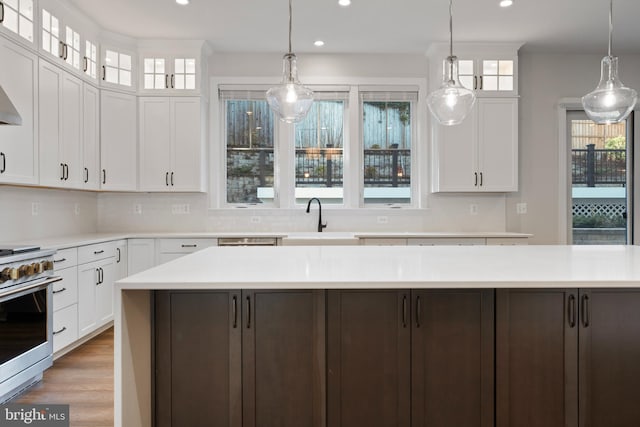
[26, 315]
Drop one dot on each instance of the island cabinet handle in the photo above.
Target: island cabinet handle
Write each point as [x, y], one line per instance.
[248, 312]
[404, 311]
[418, 312]
[234, 310]
[585, 311]
[571, 310]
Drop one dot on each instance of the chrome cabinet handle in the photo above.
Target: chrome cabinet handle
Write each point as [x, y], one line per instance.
[234, 309]
[60, 331]
[4, 158]
[60, 290]
[585, 311]
[571, 311]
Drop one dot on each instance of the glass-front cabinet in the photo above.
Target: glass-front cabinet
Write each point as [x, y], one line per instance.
[17, 18]
[489, 69]
[117, 68]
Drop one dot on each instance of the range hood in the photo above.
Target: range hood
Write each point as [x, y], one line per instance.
[8, 113]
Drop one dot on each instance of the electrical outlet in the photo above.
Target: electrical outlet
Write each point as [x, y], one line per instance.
[473, 209]
[255, 220]
[180, 209]
[521, 208]
[137, 209]
[76, 209]
[383, 220]
[35, 208]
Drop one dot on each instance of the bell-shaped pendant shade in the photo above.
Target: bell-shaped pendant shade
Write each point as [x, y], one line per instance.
[611, 101]
[451, 103]
[290, 100]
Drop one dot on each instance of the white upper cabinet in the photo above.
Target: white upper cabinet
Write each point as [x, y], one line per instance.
[60, 129]
[17, 19]
[19, 144]
[172, 68]
[481, 153]
[172, 143]
[117, 68]
[91, 134]
[489, 69]
[118, 136]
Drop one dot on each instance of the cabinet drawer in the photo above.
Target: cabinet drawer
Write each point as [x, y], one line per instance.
[184, 245]
[65, 327]
[392, 241]
[96, 252]
[455, 241]
[65, 292]
[65, 258]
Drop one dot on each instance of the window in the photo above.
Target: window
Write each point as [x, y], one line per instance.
[319, 150]
[18, 17]
[73, 46]
[184, 74]
[117, 68]
[249, 144]
[497, 75]
[155, 76]
[50, 33]
[387, 130]
[90, 59]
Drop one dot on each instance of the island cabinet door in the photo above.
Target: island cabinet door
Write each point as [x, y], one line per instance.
[609, 358]
[536, 358]
[452, 356]
[283, 358]
[198, 359]
[368, 357]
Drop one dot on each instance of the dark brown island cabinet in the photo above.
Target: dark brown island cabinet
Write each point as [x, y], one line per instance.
[568, 358]
[240, 358]
[410, 358]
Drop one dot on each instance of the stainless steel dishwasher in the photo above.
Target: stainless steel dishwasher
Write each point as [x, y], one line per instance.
[248, 241]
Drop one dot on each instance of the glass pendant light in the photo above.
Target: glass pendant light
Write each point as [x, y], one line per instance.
[451, 103]
[290, 100]
[611, 101]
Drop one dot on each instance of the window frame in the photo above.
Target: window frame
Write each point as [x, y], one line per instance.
[284, 145]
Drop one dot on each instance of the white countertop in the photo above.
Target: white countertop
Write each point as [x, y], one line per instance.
[89, 239]
[395, 267]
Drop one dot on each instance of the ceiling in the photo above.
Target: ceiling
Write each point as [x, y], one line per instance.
[373, 26]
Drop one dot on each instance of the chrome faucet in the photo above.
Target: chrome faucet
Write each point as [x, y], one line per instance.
[320, 224]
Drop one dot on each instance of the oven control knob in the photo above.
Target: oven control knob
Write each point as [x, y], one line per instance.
[38, 267]
[9, 274]
[47, 265]
[26, 270]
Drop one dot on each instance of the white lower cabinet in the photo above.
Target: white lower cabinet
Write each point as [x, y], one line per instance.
[170, 249]
[65, 327]
[141, 255]
[65, 299]
[95, 295]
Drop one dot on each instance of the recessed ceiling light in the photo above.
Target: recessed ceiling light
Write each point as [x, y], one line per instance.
[318, 43]
[506, 3]
[182, 2]
[344, 2]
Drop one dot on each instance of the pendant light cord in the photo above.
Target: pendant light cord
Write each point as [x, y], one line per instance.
[290, 26]
[450, 27]
[610, 25]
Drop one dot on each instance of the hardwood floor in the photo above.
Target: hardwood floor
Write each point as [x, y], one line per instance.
[83, 379]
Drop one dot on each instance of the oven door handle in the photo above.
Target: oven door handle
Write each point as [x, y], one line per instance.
[22, 289]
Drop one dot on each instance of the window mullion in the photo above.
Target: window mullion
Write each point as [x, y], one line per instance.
[285, 174]
[352, 157]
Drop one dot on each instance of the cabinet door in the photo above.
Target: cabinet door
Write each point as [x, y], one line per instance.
[52, 170]
[155, 144]
[609, 355]
[368, 375]
[187, 149]
[121, 260]
[498, 144]
[141, 255]
[19, 144]
[71, 126]
[198, 359]
[91, 143]
[536, 358]
[118, 129]
[455, 154]
[88, 278]
[283, 357]
[452, 358]
[104, 292]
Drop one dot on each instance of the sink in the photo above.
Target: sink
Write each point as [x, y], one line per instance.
[332, 238]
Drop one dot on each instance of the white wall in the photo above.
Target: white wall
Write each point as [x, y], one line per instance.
[544, 80]
[56, 213]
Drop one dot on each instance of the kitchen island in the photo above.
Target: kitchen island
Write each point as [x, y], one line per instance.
[529, 303]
